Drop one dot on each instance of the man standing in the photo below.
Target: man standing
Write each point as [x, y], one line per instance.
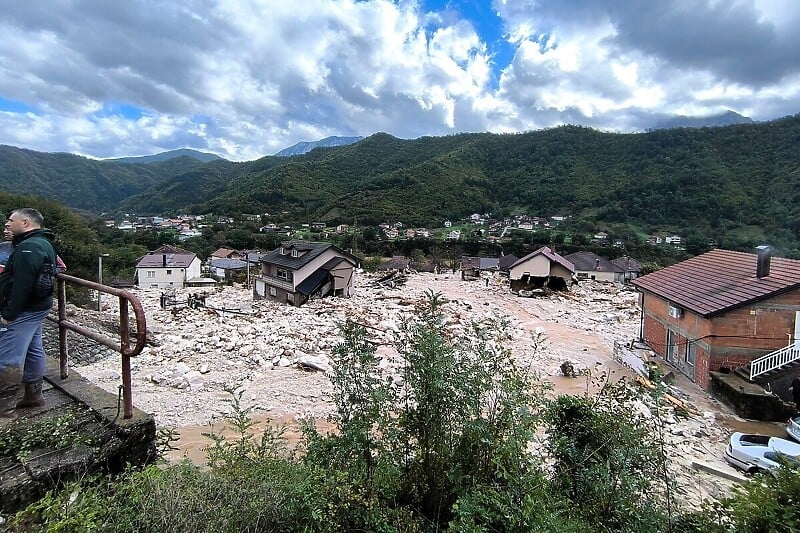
[23, 308]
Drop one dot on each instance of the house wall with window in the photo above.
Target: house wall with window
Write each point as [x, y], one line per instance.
[697, 345]
[161, 277]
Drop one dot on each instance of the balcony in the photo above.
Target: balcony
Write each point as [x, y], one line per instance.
[278, 283]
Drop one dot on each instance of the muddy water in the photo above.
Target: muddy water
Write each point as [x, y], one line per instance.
[193, 444]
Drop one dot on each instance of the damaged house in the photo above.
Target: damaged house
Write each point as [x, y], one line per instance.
[541, 269]
[300, 270]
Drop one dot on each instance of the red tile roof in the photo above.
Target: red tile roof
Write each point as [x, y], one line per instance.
[720, 280]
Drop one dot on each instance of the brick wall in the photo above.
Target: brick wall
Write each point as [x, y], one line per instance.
[727, 341]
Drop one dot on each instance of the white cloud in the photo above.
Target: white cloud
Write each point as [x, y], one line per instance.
[245, 78]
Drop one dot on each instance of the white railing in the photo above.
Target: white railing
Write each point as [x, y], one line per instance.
[774, 360]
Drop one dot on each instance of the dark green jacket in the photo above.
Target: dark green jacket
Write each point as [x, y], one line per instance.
[17, 281]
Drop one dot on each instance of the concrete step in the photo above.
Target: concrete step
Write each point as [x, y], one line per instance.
[115, 441]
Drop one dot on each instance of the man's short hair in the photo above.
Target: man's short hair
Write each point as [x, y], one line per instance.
[31, 214]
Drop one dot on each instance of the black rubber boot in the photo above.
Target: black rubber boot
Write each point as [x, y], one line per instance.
[33, 395]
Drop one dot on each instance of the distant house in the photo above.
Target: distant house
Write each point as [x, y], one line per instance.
[453, 235]
[168, 266]
[589, 265]
[471, 267]
[225, 253]
[223, 268]
[720, 310]
[542, 268]
[630, 267]
[300, 270]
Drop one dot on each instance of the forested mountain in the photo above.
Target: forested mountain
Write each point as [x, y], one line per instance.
[80, 182]
[165, 156]
[736, 185]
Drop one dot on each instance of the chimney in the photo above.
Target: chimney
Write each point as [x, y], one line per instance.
[764, 256]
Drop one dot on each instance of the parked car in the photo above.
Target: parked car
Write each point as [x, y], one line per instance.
[793, 427]
[760, 453]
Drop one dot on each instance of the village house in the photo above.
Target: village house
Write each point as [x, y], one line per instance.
[225, 253]
[630, 267]
[589, 265]
[720, 310]
[453, 236]
[298, 271]
[168, 266]
[542, 268]
[471, 267]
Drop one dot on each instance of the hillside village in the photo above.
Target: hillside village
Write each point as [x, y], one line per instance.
[481, 227]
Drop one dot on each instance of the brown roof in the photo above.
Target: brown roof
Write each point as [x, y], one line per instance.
[548, 253]
[720, 280]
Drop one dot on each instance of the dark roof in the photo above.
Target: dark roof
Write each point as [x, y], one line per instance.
[173, 260]
[720, 280]
[590, 261]
[309, 250]
[489, 263]
[313, 282]
[228, 264]
[628, 264]
[548, 253]
[506, 261]
[332, 262]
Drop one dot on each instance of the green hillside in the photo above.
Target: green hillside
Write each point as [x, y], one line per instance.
[736, 185]
[80, 182]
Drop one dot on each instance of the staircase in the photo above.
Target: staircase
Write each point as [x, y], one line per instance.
[774, 362]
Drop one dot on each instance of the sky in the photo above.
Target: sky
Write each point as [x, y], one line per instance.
[247, 78]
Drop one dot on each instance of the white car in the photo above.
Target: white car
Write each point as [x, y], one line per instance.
[793, 427]
[760, 453]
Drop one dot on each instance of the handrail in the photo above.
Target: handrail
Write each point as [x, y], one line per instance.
[122, 345]
[774, 360]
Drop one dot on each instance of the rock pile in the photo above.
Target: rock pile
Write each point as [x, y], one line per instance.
[276, 354]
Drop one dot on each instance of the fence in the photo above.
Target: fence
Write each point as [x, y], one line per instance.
[121, 344]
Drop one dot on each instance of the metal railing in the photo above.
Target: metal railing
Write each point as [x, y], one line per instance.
[774, 360]
[121, 345]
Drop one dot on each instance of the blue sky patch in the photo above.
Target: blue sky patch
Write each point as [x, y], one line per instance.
[13, 106]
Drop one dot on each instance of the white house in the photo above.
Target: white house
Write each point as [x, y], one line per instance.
[167, 266]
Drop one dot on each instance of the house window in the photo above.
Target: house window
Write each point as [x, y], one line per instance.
[295, 253]
[284, 274]
[691, 352]
[169, 272]
[151, 273]
[273, 291]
